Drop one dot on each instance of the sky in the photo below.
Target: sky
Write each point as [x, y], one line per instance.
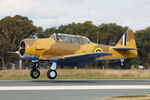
[52, 13]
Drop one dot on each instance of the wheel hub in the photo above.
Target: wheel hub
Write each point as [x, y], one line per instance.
[35, 73]
[52, 74]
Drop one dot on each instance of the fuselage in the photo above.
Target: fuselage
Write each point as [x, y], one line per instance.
[49, 48]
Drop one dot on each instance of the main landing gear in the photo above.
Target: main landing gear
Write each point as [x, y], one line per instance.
[51, 74]
[35, 73]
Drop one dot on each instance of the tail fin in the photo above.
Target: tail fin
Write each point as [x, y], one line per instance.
[127, 40]
[127, 45]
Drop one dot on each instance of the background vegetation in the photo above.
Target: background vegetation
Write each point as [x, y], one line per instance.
[14, 29]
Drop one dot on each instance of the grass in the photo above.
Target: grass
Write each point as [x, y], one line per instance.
[77, 74]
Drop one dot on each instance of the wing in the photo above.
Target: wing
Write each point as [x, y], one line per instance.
[79, 59]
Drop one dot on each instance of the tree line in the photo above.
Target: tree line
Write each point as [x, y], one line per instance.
[14, 29]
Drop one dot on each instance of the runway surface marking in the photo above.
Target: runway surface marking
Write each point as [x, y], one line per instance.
[94, 87]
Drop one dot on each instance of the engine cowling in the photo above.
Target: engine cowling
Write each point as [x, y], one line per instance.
[27, 49]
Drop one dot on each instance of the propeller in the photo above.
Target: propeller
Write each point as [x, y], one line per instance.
[21, 48]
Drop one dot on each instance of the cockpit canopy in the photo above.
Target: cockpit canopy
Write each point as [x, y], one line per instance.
[67, 38]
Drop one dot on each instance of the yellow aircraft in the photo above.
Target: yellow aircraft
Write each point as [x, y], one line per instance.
[74, 50]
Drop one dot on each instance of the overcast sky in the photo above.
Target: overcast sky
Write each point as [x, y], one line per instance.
[49, 13]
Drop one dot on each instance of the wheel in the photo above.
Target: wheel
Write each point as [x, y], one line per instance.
[35, 73]
[51, 74]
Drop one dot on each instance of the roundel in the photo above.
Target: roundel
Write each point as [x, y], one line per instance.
[98, 50]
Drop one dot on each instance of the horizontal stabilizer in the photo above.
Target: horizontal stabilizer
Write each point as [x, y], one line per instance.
[124, 48]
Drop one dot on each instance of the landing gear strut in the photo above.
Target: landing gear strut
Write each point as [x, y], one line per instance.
[35, 73]
[52, 74]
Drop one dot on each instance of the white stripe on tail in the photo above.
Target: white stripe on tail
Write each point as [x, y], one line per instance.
[123, 40]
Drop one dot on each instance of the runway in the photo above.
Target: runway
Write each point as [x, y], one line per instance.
[71, 89]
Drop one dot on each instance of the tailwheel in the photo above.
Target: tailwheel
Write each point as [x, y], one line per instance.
[51, 74]
[35, 73]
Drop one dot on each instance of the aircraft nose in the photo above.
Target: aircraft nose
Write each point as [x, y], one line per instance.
[22, 48]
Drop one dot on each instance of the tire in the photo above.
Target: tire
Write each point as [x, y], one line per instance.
[35, 73]
[51, 74]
